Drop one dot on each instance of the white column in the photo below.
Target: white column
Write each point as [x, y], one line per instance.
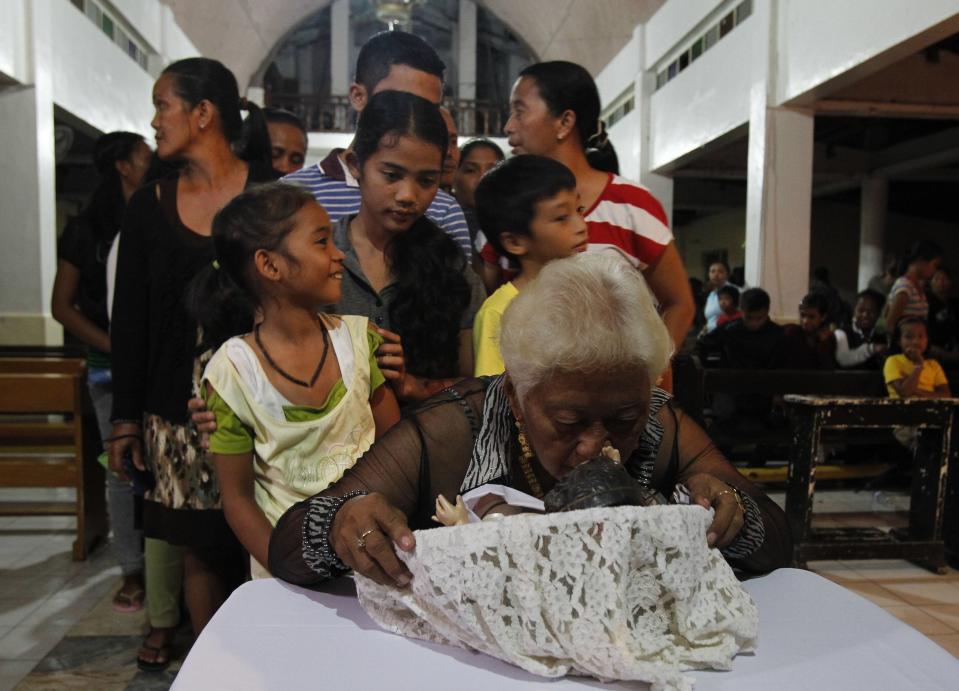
[778, 202]
[466, 62]
[28, 196]
[634, 164]
[872, 227]
[341, 69]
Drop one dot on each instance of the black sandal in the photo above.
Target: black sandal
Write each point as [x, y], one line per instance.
[156, 665]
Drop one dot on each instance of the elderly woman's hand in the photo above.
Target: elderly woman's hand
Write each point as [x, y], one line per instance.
[709, 491]
[363, 533]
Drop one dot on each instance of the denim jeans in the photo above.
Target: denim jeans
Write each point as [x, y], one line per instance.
[127, 540]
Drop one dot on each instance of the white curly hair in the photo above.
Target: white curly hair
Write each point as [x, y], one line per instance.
[588, 313]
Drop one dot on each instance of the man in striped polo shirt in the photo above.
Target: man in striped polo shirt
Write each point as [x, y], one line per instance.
[397, 61]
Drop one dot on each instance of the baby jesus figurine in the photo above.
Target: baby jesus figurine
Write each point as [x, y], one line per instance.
[601, 481]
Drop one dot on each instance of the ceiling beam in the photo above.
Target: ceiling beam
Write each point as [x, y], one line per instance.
[886, 109]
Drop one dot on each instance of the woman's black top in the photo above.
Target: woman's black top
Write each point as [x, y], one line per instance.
[154, 339]
[450, 445]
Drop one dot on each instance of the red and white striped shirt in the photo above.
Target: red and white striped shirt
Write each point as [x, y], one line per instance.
[625, 216]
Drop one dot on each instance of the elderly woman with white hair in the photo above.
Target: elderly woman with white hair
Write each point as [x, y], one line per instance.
[583, 347]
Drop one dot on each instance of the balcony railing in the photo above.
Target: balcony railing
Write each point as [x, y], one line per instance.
[333, 114]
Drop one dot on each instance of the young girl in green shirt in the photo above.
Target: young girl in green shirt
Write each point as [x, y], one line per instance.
[300, 398]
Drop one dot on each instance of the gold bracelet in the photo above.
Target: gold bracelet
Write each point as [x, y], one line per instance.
[735, 492]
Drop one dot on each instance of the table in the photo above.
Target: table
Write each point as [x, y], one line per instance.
[935, 453]
[814, 634]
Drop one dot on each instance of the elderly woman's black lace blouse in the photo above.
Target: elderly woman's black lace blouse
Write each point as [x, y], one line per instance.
[463, 438]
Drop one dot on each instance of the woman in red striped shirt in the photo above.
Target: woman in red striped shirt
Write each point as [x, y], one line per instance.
[554, 112]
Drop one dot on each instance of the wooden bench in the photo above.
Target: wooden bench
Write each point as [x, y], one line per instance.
[695, 385]
[49, 438]
[935, 456]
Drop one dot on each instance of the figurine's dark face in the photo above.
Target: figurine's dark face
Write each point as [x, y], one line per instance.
[569, 417]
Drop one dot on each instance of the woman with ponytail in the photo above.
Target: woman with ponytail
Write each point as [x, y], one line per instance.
[165, 241]
[80, 303]
[554, 112]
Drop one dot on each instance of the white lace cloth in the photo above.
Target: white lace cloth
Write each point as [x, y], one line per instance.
[627, 593]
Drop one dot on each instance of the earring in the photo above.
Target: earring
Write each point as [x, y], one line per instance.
[525, 458]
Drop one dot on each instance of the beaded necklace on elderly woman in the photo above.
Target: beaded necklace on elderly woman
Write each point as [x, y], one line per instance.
[526, 456]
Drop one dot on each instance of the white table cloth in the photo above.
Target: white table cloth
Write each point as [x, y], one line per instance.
[813, 634]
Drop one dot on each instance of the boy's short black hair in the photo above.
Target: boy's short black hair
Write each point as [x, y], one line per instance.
[389, 48]
[731, 292]
[815, 301]
[507, 195]
[869, 294]
[754, 300]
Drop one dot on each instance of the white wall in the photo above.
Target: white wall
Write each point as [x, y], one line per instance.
[621, 72]
[673, 23]
[93, 78]
[14, 58]
[56, 55]
[822, 39]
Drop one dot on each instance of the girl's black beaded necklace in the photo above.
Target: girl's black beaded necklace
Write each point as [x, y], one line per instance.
[298, 382]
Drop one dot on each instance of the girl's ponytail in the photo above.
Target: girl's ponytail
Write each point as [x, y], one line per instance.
[220, 307]
[224, 296]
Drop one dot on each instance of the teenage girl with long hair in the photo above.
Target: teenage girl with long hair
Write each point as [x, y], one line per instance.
[401, 270]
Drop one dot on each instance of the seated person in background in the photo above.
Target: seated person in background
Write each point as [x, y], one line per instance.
[810, 344]
[862, 344]
[530, 211]
[753, 342]
[943, 312]
[729, 304]
[718, 277]
[909, 373]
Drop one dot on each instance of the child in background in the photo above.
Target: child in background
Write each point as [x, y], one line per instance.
[729, 304]
[910, 374]
[530, 212]
[301, 398]
[862, 344]
[811, 345]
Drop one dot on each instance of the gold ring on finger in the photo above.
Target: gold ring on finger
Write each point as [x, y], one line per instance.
[361, 540]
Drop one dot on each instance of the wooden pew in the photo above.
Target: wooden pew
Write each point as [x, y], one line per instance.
[695, 385]
[49, 438]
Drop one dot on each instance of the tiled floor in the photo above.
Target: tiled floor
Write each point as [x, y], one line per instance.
[43, 594]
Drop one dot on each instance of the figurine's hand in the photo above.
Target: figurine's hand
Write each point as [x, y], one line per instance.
[449, 514]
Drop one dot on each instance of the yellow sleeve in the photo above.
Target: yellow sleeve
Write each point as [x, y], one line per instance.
[892, 371]
[486, 330]
[938, 375]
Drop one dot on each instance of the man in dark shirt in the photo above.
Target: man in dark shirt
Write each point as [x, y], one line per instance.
[753, 342]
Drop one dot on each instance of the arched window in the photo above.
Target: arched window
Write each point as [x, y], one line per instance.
[297, 75]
